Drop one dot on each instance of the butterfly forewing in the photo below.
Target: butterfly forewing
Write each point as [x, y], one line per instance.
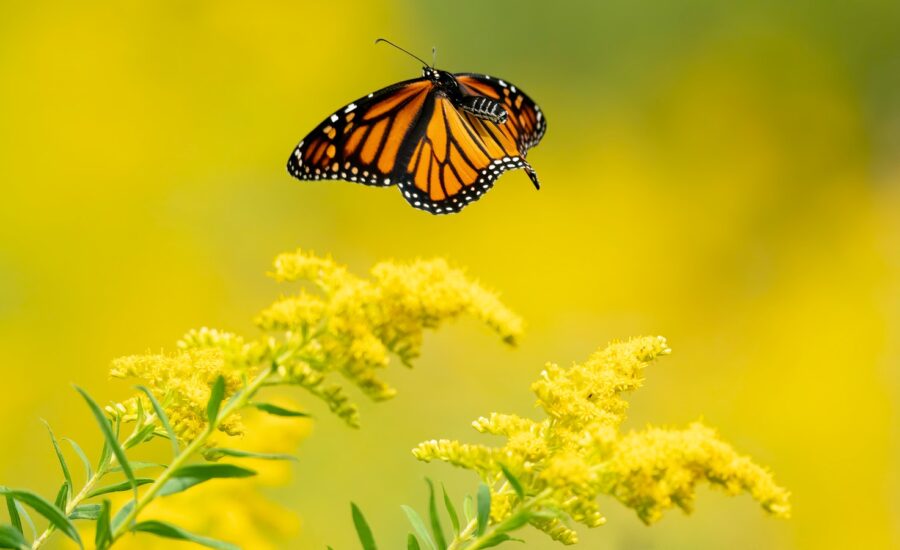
[360, 141]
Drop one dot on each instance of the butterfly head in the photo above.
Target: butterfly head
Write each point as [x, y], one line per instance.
[441, 79]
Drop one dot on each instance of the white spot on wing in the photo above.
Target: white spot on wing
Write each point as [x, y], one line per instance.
[350, 107]
[334, 118]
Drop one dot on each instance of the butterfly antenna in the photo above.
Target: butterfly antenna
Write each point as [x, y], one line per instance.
[433, 56]
[385, 40]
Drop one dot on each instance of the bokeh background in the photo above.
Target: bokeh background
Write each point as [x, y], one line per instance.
[726, 174]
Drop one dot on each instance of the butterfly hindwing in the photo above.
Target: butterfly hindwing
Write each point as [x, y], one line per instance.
[459, 156]
[360, 141]
[526, 119]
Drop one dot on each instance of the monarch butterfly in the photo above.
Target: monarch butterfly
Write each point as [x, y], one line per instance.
[442, 139]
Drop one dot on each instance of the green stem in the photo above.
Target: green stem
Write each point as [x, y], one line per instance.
[188, 452]
[77, 499]
[464, 535]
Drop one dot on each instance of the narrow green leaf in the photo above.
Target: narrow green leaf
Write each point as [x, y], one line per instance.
[62, 462]
[27, 517]
[119, 487]
[412, 543]
[278, 411]
[163, 419]
[45, 508]
[418, 526]
[110, 438]
[62, 497]
[187, 476]
[215, 400]
[169, 531]
[142, 435]
[513, 481]
[14, 514]
[121, 515]
[135, 466]
[468, 509]
[435, 519]
[217, 453]
[362, 528]
[10, 537]
[84, 459]
[494, 540]
[86, 511]
[451, 510]
[484, 508]
[103, 534]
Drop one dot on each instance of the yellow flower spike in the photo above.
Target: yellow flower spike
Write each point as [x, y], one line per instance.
[306, 266]
[182, 381]
[657, 469]
[302, 311]
[577, 454]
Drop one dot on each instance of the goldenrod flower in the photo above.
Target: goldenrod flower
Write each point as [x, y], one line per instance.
[182, 381]
[577, 453]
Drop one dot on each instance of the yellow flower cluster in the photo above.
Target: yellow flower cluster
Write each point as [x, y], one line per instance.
[353, 325]
[182, 381]
[339, 323]
[577, 453]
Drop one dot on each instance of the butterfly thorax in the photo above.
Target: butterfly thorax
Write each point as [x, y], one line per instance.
[480, 106]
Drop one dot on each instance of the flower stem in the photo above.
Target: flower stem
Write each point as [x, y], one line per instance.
[77, 499]
[188, 452]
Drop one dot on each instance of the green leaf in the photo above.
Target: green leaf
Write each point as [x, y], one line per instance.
[494, 540]
[118, 487]
[451, 510]
[278, 411]
[513, 481]
[418, 526]
[468, 509]
[27, 517]
[142, 435]
[135, 466]
[412, 543]
[62, 463]
[86, 511]
[10, 537]
[103, 534]
[433, 516]
[362, 528]
[121, 515]
[62, 497]
[14, 514]
[187, 476]
[169, 531]
[163, 419]
[111, 440]
[217, 453]
[515, 521]
[84, 459]
[45, 508]
[215, 400]
[484, 508]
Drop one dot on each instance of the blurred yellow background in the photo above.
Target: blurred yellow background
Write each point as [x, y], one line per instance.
[725, 174]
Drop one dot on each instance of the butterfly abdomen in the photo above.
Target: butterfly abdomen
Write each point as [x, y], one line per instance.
[486, 108]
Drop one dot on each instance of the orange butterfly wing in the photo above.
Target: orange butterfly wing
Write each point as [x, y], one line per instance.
[360, 141]
[412, 135]
[459, 156]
